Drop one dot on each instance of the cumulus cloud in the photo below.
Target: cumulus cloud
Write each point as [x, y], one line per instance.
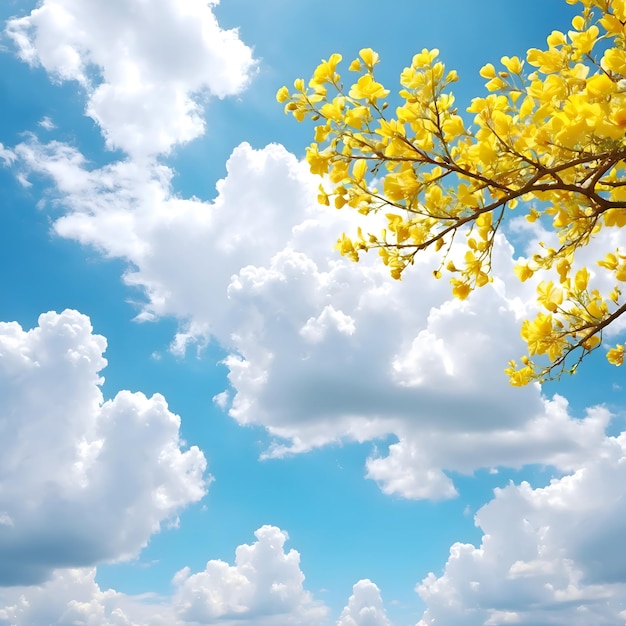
[73, 596]
[551, 555]
[264, 587]
[81, 480]
[147, 70]
[365, 607]
[321, 349]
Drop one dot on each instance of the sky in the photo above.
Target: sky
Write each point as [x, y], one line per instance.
[209, 417]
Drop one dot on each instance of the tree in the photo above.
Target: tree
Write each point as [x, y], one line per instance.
[548, 143]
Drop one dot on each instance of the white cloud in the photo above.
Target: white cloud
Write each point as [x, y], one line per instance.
[551, 436]
[7, 155]
[365, 607]
[46, 123]
[147, 71]
[329, 320]
[321, 349]
[264, 586]
[81, 480]
[551, 555]
[73, 597]
[222, 400]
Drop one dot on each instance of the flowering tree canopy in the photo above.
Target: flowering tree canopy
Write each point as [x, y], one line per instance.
[547, 141]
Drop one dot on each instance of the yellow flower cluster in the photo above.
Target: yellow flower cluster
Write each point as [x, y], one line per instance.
[548, 138]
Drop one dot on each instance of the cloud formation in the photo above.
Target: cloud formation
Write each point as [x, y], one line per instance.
[146, 73]
[81, 480]
[72, 596]
[321, 349]
[365, 607]
[550, 555]
[264, 587]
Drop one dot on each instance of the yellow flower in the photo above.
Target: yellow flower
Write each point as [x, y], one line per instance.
[460, 289]
[318, 161]
[615, 217]
[596, 309]
[282, 94]
[346, 248]
[563, 267]
[551, 135]
[591, 342]
[332, 111]
[581, 280]
[357, 116]
[339, 171]
[325, 71]
[521, 377]
[584, 41]
[614, 60]
[609, 261]
[424, 58]
[615, 356]
[523, 272]
[322, 197]
[370, 58]
[538, 333]
[453, 127]
[488, 71]
[556, 38]
[513, 64]
[321, 133]
[359, 169]
[366, 88]
[600, 86]
[549, 296]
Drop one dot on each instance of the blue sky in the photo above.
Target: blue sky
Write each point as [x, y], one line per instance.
[341, 433]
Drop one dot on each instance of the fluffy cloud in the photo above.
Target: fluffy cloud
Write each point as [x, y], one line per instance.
[146, 71]
[73, 596]
[321, 349]
[552, 555]
[81, 480]
[263, 587]
[365, 607]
